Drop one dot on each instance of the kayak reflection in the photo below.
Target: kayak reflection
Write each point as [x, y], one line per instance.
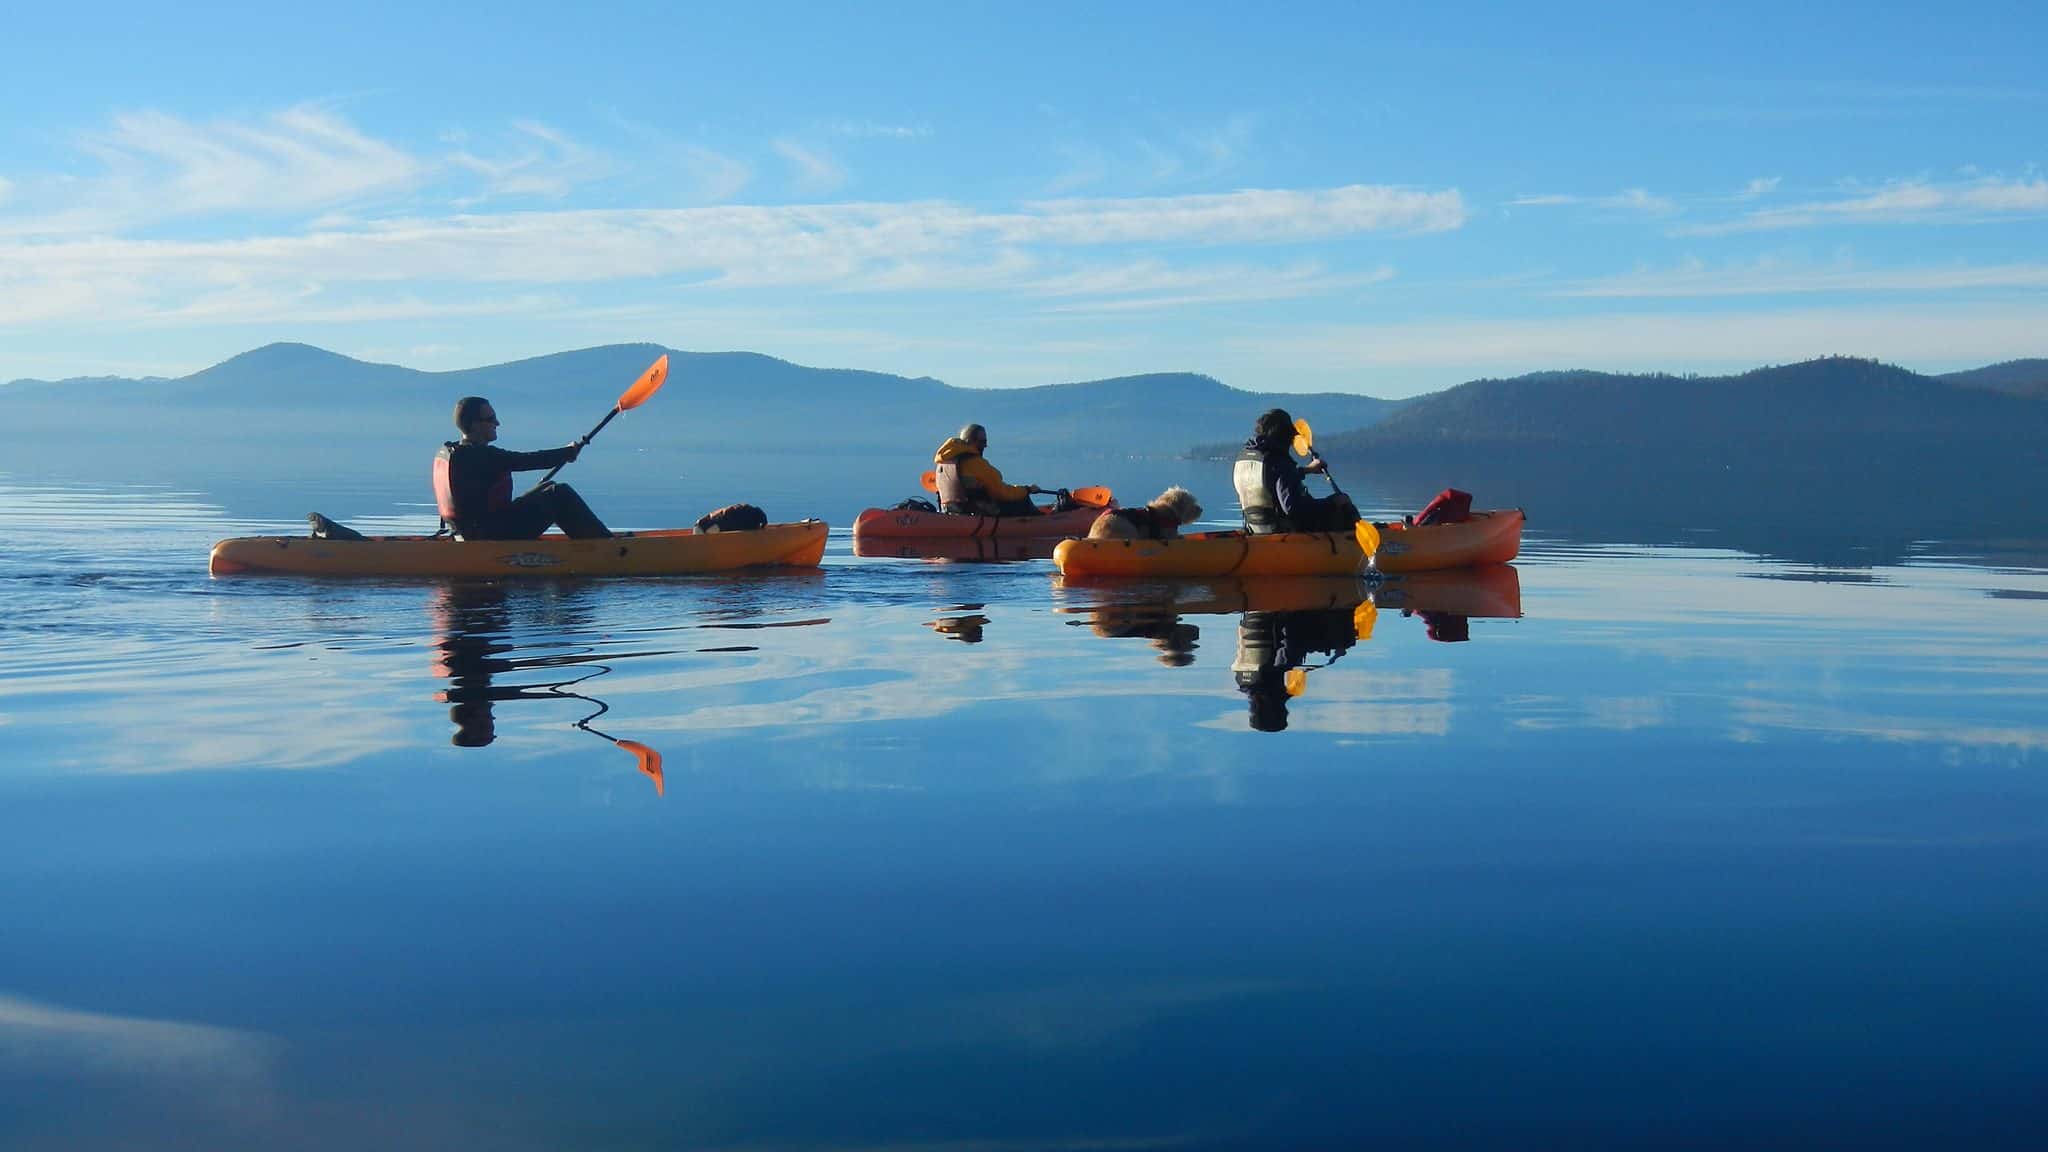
[1289, 627]
[474, 623]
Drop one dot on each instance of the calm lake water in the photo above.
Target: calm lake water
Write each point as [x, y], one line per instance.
[1631, 845]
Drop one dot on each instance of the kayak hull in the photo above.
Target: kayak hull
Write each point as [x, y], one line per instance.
[891, 523]
[668, 552]
[1214, 554]
[964, 549]
[1487, 538]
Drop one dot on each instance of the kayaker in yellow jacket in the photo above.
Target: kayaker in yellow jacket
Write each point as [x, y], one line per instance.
[968, 484]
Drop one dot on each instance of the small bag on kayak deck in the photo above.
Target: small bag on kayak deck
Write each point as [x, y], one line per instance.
[733, 518]
[915, 505]
[1450, 507]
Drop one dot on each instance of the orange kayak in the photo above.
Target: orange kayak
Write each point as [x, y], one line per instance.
[667, 552]
[887, 523]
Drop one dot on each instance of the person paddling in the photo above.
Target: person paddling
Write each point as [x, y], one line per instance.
[1270, 487]
[473, 485]
[968, 484]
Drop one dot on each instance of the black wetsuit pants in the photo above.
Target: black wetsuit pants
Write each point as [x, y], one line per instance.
[539, 510]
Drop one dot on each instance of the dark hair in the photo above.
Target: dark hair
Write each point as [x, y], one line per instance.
[466, 410]
[973, 433]
[1274, 424]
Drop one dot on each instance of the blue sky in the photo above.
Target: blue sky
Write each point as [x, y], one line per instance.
[1384, 199]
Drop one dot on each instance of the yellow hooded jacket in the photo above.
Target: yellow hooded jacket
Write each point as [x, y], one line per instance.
[978, 473]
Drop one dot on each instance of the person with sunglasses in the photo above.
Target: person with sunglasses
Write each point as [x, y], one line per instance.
[473, 485]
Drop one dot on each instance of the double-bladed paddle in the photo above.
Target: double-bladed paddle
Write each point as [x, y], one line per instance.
[1305, 445]
[647, 385]
[1095, 496]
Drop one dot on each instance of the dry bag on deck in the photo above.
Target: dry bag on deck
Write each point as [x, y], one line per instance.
[1450, 507]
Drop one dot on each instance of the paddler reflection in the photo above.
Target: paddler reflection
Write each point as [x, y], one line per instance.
[1288, 627]
[1275, 650]
[474, 646]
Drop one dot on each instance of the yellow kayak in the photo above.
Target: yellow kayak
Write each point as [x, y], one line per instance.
[667, 552]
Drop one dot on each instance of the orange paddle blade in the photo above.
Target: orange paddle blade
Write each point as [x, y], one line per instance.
[650, 761]
[1368, 537]
[1094, 497]
[1304, 438]
[647, 385]
[1363, 618]
[929, 482]
[1296, 681]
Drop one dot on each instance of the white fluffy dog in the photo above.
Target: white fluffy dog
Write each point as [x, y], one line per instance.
[1159, 520]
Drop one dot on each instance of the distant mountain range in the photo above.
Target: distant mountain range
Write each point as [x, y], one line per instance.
[715, 399]
[1832, 461]
[1867, 453]
[2021, 377]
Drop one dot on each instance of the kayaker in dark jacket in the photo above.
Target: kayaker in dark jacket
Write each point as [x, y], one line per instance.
[969, 484]
[473, 485]
[1271, 489]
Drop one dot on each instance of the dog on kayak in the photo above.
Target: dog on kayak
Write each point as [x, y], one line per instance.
[1159, 520]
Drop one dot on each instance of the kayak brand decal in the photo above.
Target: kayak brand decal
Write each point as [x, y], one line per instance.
[529, 560]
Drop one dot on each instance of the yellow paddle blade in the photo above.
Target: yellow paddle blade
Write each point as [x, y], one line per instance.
[647, 385]
[1096, 496]
[929, 482]
[1296, 681]
[1368, 537]
[1363, 618]
[1304, 438]
[649, 761]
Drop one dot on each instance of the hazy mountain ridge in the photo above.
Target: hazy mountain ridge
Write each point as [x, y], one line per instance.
[1867, 452]
[723, 399]
[2023, 377]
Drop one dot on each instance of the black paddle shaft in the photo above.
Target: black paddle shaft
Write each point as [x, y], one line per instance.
[591, 435]
[1318, 458]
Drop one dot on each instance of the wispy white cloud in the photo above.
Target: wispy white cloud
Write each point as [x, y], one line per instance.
[1176, 156]
[1152, 285]
[542, 162]
[1774, 278]
[158, 166]
[851, 246]
[1759, 188]
[1905, 201]
[1628, 200]
[866, 129]
[812, 170]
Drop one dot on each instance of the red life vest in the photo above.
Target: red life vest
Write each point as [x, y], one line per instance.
[453, 509]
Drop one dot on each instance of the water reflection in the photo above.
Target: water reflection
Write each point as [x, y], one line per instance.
[474, 623]
[1288, 628]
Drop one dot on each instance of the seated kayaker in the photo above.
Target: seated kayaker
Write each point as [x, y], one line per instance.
[1271, 489]
[970, 485]
[473, 485]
